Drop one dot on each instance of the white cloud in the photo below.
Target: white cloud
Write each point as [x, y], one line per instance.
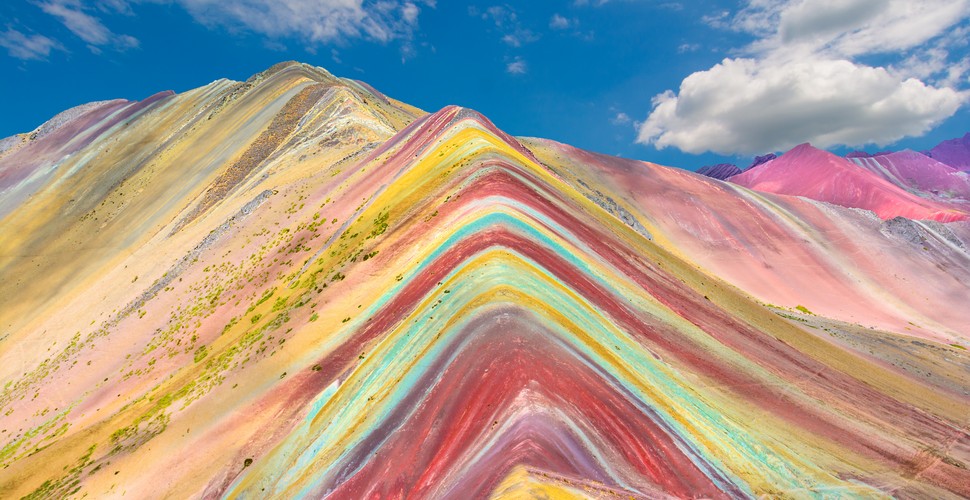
[924, 65]
[410, 12]
[512, 40]
[517, 67]
[621, 118]
[27, 47]
[746, 106]
[848, 28]
[500, 15]
[956, 72]
[119, 6]
[559, 22]
[73, 15]
[688, 47]
[717, 19]
[506, 21]
[312, 21]
[825, 19]
[935, 63]
[802, 78]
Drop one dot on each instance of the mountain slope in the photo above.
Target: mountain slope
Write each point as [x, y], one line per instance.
[394, 304]
[820, 175]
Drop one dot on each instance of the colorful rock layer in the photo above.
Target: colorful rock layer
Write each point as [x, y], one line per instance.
[721, 171]
[298, 287]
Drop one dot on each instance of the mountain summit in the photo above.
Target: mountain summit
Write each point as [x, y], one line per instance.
[296, 286]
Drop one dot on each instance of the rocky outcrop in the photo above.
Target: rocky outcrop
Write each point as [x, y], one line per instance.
[721, 171]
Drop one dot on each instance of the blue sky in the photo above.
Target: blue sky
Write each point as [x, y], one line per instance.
[683, 83]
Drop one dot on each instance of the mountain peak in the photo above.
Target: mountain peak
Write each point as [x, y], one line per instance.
[294, 68]
[806, 149]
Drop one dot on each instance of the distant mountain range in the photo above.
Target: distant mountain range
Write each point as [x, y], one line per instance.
[933, 185]
[296, 286]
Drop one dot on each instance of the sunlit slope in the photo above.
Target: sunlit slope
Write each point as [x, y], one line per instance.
[430, 314]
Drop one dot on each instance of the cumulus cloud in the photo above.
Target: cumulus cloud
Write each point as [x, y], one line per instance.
[76, 17]
[747, 106]
[802, 78]
[26, 47]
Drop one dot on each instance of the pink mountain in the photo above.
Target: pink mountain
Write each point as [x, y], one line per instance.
[812, 173]
[954, 152]
[919, 174]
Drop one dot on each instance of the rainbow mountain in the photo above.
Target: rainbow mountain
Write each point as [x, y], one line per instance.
[296, 286]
